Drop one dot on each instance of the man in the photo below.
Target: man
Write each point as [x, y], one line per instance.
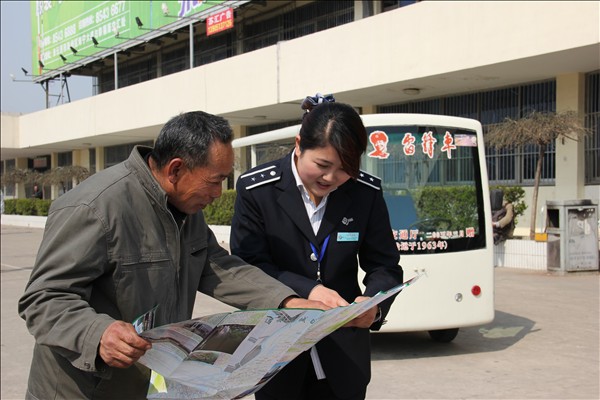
[37, 193]
[127, 239]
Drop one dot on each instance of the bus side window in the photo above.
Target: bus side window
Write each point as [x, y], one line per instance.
[401, 209]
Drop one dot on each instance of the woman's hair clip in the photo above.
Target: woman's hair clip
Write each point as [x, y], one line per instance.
[311, 102]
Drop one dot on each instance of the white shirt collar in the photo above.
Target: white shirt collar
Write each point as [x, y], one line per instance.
[315, 213]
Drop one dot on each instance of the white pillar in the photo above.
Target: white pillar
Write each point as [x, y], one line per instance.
[570, 155]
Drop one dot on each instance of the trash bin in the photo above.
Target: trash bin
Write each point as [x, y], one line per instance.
[572, 228]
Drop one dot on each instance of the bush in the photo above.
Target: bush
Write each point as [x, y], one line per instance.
[10, 206]
[220, 212]
[514, 195]
[42, 207]
[457, 205]
[25, 207]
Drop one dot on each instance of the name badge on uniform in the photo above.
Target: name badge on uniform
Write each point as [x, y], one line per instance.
[347, 237]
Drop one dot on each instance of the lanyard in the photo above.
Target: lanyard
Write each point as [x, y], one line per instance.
[321, 254]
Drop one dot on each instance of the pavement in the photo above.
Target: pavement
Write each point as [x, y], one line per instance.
[542, 344]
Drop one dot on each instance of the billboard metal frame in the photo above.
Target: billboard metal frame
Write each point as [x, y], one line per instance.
[60, 64]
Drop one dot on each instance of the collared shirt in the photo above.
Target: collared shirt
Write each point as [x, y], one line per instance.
[315, 212]
[315, 215]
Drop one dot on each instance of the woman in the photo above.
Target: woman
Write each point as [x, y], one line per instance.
[308, 219]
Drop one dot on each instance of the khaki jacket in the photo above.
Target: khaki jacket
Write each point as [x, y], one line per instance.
[112, 250]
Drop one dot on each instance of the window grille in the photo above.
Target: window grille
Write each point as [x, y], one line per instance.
[297, 22]
[116, 154]
[136, 71]
[9, 189]
[462, 106]
[592, 122]
[92, 153]
[174, 61]
[208, 49]
[64, 159]
[505, 166]
[388, 5]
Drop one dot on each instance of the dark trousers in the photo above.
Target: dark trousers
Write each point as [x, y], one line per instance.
[312, 389]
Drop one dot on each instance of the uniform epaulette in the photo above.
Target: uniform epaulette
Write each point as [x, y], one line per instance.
[262, 176]
[369, 180]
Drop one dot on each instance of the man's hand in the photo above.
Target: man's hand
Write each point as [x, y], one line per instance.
[297, 302]
[364, 320]
[120, 345]
[327, 296]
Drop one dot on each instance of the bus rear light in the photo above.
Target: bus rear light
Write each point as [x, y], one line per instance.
[476, 290]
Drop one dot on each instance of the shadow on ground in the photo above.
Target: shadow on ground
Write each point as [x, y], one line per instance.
[504, 331]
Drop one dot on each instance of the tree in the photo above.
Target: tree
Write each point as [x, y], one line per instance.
[62, 175]
[55, 176]
[538, 128]
[13, 176]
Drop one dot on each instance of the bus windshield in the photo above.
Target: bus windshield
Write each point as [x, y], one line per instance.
[431, 180]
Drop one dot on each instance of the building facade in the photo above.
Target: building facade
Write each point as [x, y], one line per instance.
[481, 60]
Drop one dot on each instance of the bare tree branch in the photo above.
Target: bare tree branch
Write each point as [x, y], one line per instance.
[541, 129]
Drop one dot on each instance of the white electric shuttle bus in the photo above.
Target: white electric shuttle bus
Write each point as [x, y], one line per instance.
[434, 180]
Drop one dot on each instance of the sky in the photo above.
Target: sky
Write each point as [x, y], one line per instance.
[22, 95]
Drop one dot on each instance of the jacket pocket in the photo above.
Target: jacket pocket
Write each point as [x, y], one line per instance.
[146, 283]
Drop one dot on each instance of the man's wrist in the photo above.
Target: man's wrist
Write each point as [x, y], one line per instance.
[285, 301]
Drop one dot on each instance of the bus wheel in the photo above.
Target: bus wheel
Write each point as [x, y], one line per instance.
[444, 335]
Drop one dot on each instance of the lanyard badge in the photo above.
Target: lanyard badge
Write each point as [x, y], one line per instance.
[319, 258]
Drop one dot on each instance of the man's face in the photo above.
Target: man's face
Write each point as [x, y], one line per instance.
[197, 188]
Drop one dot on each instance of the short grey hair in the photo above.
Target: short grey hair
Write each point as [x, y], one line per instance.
[188, 136]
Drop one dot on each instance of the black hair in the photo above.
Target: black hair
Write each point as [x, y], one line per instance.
[188, 136]
[337, 124]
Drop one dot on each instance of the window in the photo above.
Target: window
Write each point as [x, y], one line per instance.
[116, 154]
[285, 21]
[92, 161]
[65, 159]
[435, 201]
[506, 166]
[297, 22]
[208, 49]
[9, 190]
[140, 70]
[592, 122]
[175, 61]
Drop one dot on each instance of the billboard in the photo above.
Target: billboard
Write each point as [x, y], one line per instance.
[92, 27]
[219, 22]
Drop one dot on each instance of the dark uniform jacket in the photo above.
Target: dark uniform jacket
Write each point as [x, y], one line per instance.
[271, 230]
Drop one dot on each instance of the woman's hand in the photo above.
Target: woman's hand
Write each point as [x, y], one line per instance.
[328, 296]
[366, 319]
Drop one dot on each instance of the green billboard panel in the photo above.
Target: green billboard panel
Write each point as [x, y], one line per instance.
[90, 27]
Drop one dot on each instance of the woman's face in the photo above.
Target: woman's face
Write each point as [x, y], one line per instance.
[320, 170]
